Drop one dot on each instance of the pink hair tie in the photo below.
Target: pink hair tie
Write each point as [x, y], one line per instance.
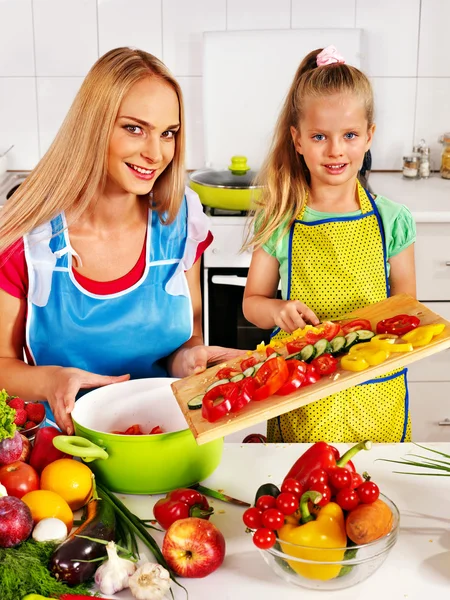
[328, 56]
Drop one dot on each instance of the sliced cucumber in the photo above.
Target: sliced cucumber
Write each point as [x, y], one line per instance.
[257, 366]
[322, 347]
[308, 352]
[296, 355]
[364, 335]
[196, 402]
[249, 372]
[338, 344]
[273, 355]
[237, 377]
[215, 383]
[350, 340]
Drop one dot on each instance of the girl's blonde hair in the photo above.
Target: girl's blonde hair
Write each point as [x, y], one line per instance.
[284, 176]
[73, 171]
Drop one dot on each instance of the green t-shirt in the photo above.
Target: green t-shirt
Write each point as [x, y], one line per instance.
[398, 223]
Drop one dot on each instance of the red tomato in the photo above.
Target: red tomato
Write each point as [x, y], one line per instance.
[272, 518]
[325, 490]
[297, 375]
[252, 518]
[19, 478]
[368, 492]
[287, 503]
[156, 430]
[265, 502]
[355, 325]
[328, 331]
[133, 430]
[325, 364]
[270, 351]
[296, 345]
[317, 476]
[248, 362]
[347, 499]
[292, 486]
[340, 478]
[356, 480]
[270, 377]
[264, 538]
[226, 373]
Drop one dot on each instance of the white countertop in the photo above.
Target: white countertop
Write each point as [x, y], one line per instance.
[418, 566]
[428, 199]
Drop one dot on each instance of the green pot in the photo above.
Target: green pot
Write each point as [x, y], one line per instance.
[139, 464]
[231, 189]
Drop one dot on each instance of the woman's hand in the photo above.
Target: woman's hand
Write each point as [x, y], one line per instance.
[197, 358]
[65, 385]
[290, 315]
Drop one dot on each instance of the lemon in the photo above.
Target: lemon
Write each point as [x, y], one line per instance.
[71, 479]
[44, 504]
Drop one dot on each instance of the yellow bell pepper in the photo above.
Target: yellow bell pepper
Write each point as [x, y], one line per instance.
[421, 336]
[353, 362]
[373, 355]
[323, 539]
[388, 342]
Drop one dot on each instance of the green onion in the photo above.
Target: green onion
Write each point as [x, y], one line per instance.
[425, 462]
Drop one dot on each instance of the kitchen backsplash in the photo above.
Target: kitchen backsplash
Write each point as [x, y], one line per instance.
[47, 47]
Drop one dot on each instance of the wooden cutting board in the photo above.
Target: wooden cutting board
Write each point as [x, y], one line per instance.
[255, 412]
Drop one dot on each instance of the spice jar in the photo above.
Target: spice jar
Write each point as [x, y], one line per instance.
[425, 165]
[411, 166]
[445, 157]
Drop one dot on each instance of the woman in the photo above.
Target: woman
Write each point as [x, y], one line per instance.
[99, 277]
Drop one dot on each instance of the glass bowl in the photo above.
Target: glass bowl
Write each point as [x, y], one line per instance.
[355, 563]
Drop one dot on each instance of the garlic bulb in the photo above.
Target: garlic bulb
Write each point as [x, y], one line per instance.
[113, 575]
[150, 582]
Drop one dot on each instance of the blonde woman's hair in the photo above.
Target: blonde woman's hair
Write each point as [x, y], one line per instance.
[74, 169]
[284, 176]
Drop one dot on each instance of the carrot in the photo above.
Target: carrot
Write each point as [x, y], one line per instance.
[369, 522]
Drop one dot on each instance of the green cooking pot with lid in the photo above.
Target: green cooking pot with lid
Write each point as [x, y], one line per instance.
[230, 189]
[138, 464]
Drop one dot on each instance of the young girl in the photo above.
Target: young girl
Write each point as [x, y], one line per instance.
[334, 246]
[99, 277]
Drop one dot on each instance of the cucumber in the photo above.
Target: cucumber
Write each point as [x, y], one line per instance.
[215, 383]
[249, 372]
[322, 347]
[350, 340]
[257, 366]
[237, 377]
[308, 352]
[296, 355]
[338, 344]
[273, 355]
[196, 402]
[364, 335]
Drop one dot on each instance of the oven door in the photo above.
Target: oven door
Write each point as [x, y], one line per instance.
[223, 321]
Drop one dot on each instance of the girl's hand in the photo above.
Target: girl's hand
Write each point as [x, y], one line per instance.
[197, 358]
[290, 315]
[65, 385]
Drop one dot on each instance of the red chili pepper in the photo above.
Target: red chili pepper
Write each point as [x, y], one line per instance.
[43, 451]
[181, 504]
[322, 456]
[270, 377]
[398, 325]
[297, 376]
[246, 390]
[228, 393]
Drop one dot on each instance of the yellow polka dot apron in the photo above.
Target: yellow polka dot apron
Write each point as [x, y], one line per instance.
[337, 265]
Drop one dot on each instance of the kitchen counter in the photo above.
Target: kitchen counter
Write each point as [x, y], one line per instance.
[428, 199]
[417, 567]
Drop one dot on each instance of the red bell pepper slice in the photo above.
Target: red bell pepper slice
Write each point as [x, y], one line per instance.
[311, 376]
[325, 364]
[226, 373]
[356, 325]
[226, 393]
[398, 325]
[270, 377]
[297, 376]
[251, 361]
[246, 391]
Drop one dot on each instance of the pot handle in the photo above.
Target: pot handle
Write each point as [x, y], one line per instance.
[79, 446]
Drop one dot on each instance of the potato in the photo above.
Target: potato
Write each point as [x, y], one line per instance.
[369, 522]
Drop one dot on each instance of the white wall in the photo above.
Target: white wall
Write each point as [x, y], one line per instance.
[47, 47]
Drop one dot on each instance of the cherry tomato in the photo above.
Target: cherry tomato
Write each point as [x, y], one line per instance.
[252, 518]
[265, 502]
[315, 477]
[272, 518]
[368, 492]
[264, 538]
[347, 499]
[292, 486]
[340, 478]
[356, 480]
[287, 503]
[325, 490]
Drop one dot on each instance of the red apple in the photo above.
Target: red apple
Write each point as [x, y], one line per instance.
[19, 478]
[193, 547]
[16, 522]
[10, 449]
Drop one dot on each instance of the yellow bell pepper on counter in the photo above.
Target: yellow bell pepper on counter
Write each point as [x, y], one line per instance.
[321, 539]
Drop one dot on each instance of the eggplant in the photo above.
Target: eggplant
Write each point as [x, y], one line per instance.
[66, 561]
[267, 489]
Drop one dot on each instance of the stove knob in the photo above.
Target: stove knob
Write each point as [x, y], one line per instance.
[215, 250]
